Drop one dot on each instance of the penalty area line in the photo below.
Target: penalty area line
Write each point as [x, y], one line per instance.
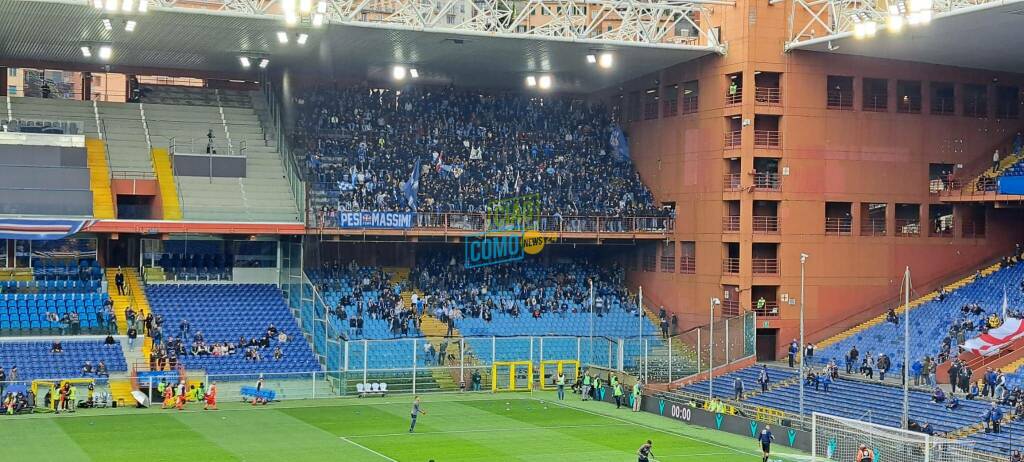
[366, 449]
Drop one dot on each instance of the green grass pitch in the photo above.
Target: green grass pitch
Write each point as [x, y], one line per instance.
[483, 427]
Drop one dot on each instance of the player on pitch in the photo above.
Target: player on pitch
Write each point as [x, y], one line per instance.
[644, 453]
[766, 437]
[416, 411]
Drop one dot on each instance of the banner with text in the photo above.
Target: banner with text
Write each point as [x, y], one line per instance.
[376, 220]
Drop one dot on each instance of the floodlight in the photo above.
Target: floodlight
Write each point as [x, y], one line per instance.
[288, 6]
[414, 73]
[245, 61]
[870, 28]
[111, 5]
[105, 52]
[895, 23]
[127, 6]
[321, 7]
[592, 59]
[282, 37]
[107, 25]
[264, 63]
[926, 16]
[302, 39]
[531, 81]
[605, 60]
[290, 18]
[129, 26]
[98, 4]
[398, 72]
[544, 82]
[305, 6]
[318, 20]
[87, 52]
[143, 6]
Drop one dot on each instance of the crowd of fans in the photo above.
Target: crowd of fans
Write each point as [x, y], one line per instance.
[364, 144]
[166, 352]
[448, 291]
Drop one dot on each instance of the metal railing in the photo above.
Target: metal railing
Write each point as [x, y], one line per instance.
[764, 181]
[942, 228]
[975, 107]
[213, 148]
[765, 224]
[731, 181]
[876, 102]
[767, 138]
[687, 264]
[767, 95]
[690, 104]
[731, 307]
[731, 224]
[733, 139]
[734, 97]
[840, 99]
[872, 227]
[132, 175]
[770, 309]
[943, 105]
[764, 265]
[908, 227]
[909, 104]
[291, 167]
[670, 107]
[838, 226]
[731, 265]
[478, 222]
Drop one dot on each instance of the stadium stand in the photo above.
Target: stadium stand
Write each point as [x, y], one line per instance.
[937, 325]
[187, 117]
[359, 158]
[35, 360]
[228, 314]
[49, 303]
[37, 179]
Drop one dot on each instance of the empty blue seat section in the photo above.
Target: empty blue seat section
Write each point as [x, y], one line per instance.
[226, 312]
[35, 361]
[86, 268]
[24, 304]
[930, 322]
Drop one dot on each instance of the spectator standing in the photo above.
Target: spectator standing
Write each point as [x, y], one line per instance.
[794, 348]
[764, 379]
[119, 281]
[851, 359]
[737, 388]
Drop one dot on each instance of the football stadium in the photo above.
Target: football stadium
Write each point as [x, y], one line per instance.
[512, 230]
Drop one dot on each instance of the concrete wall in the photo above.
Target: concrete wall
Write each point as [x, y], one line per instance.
[50, 156]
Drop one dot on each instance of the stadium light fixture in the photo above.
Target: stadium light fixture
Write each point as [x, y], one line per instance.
[129, 26]
[318, 20]
[398, 72]
[544, 82]
[605, 61]
[107, 24]
[591, 58]
[305, 6]
[245, 61]
[86, 52]
[321, 7]
[143, 6]
[414, 73]
[127, 6]
[106, 52]
[264, 63]
[98, 4]
[895, 23]
[301, 40]
[531, 81]
[282, 37]
[111, 5]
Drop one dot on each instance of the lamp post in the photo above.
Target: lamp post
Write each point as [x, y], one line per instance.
[711, 351]
[803, 359]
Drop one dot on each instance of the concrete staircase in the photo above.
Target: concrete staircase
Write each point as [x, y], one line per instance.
[121, 391]
[126, 139]
[135, 296]
[99, 179]
[168, 187]
[899, 310]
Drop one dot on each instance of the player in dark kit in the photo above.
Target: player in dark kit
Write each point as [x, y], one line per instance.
[644, 453]
[766, 437]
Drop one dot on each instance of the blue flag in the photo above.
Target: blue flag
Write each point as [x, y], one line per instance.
[411, 188]
[619, 144]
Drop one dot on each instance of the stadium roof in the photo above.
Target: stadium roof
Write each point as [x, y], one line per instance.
[980, 34]
[172, 38]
